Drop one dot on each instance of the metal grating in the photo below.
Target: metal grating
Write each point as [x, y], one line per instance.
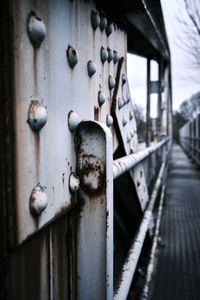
[178, 270]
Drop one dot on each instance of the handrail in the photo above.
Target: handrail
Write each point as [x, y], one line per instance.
[136, 247]
[124, 164]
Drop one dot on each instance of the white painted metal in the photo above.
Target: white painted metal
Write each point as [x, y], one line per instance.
[94, 232]
[125, 163]
[151, 265]
[136, 247]
[44, 74]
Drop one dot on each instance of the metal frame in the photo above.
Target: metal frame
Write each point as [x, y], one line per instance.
[189, 138]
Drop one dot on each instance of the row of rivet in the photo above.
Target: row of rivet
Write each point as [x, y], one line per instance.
[122, 102]
[72, 57]
[109, 55]
[37, 29]
[130, 136]
[124, 119]
[101, 22]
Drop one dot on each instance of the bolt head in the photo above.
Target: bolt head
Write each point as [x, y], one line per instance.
[36, 30]
[123, 79]
[128, 138]
[72, 56]
[109, 29]
[95, 20]
[132, 133]
[91, 68]
[109, 120]
[111, 82]
[38, 200]
[103, 23]
[125, 100]
[124, 121]
[101, 98]
[37, 116]
[131, 115]
[104, 54]
[74, 183]
[115, 57]
[120, 103]
[128, 98]
[110, 54]
[73, 120]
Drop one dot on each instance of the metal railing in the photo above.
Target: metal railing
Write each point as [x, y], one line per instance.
[121, 166]
[189, 139]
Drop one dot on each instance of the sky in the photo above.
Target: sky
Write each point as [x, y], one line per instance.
[182, 87]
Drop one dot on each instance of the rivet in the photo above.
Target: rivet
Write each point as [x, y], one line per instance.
[131, 115]
[111, 82]
[103, 23]
[91, 68]
[128, 98]
[104, 54]
[109, 120]
[120, 103]
[73, 120]
[115, 56]
[38, 200]
[131, 133]
[128, 137]
[72, 56]
[95, 20]
[131, 150]
[124, 121]
[125, 100]
[36, 29]
[74, 183]
[123, 79]
[101, 98]
[37, 115]
[110, 54]
[109, 29]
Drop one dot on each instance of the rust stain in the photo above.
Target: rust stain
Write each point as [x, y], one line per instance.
[63, 178]
[96, 113]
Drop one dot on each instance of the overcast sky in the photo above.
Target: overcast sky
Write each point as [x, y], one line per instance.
[182, 87]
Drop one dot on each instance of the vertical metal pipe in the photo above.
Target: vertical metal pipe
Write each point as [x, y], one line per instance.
[159, 117]
[148, 121]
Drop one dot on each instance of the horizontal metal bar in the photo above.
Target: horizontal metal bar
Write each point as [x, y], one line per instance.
[136, 247]
[191, 155]
[150, 268]
[193, 147]
[190, 138]
[123, 164]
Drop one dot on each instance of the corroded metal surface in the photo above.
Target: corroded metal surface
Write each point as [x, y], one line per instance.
[94, 217]
[60, 83]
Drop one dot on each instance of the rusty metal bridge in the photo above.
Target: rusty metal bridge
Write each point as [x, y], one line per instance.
[81, 201]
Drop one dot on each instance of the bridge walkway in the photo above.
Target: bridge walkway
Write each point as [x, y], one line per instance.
[178, 264]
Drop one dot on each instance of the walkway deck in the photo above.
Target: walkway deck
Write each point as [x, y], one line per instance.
[178, 267]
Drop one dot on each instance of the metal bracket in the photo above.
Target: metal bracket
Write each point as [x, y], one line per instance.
[93, 218]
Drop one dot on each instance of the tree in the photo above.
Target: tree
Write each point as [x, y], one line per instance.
[189, 108]
[189, 38]
[178, 121]
[141, 124]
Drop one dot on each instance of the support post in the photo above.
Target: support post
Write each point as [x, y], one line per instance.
[92, 220]
[148, 120]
